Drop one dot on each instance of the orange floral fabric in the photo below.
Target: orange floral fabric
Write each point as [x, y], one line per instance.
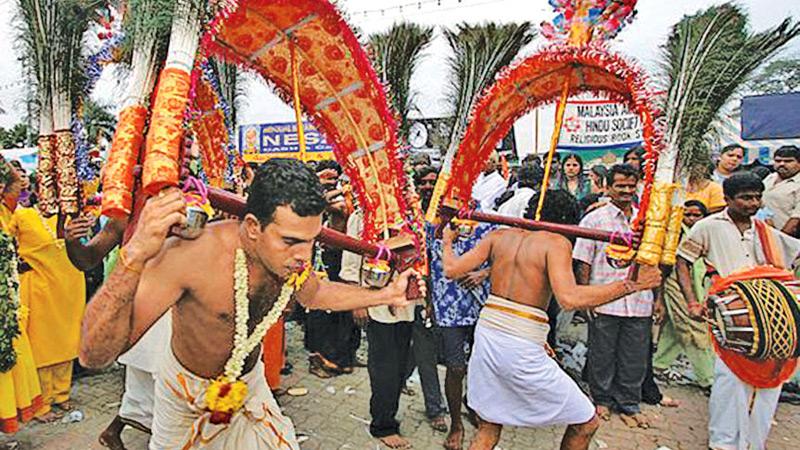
[164, 138]
[118, 180]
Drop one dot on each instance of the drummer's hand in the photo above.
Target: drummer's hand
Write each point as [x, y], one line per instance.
[697, 311]
[159, 214]
[648, 277]
[397, 289]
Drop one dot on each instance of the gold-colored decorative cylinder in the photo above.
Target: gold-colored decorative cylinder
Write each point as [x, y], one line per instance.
[46, 180]
[67, 173]
[657, 219]
[673, 237]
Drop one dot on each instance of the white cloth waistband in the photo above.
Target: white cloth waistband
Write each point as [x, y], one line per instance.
[524, 321]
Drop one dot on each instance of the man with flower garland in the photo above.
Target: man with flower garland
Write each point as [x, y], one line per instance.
[210, 389]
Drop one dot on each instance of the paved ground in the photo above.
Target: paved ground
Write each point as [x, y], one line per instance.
[334, 415]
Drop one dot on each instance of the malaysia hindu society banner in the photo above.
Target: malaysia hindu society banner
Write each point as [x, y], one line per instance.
[599, 129]
[261, 142]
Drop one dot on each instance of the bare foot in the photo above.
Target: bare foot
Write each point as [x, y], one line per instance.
[668, 402]
[603, 412]
[439, 424]
[110, 438]
[455, 440]
[395, 441]
[637, 420]
[65, 406]
[50, 417]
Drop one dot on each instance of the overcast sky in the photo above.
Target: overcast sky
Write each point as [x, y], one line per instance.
[639, 40]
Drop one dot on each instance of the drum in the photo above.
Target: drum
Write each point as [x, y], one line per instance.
[758, 318]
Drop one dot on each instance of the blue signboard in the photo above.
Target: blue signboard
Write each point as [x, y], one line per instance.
[260, 142]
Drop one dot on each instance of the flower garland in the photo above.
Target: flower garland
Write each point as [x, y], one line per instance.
[9, 302]
[227, 394]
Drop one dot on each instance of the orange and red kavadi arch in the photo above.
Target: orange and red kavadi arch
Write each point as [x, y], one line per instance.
[310, 55]
[552, 74]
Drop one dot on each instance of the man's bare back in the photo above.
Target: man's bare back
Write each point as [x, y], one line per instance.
[531, 267]
[519, 265]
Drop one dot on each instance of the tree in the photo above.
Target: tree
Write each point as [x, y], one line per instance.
[479, 53]
[778, 77]
[396, 54]
[97, 120]
[709, 56]
[14, 137]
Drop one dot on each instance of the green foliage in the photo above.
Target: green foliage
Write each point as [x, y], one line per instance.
[16, 137]
[708, 57]
[231, 85]
[97, 120]
[778, 77]
[396, 54]
[479, 53]
[148, 17]
[9, 302]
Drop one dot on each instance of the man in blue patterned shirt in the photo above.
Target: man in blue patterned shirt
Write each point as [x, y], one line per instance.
[456, 306]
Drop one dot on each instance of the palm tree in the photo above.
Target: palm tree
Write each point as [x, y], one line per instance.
[396, 54]
[708, 57]
[231, 85]
[479, 53]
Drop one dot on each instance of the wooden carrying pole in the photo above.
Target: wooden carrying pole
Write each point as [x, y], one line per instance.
[566, 230]
[235, 205]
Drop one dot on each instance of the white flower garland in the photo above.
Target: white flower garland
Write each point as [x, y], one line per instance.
[243, 344]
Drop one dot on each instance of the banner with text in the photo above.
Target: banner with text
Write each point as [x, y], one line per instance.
[598, 125]
[261, 142]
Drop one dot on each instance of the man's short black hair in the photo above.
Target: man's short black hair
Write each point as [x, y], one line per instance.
[742, 182]
[788, 151]
[285, 182]
[328, 164]
[559, 207]
[530, 174]
[760, 171]
[625, 170]
[697, 204]
[422, 172]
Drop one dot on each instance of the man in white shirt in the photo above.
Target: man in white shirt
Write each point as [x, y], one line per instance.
[740, 414]
[782, 190]
[530, 181]
[490, 184]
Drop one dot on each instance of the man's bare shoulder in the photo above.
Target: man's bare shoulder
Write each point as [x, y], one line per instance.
[197, 255]
[547, 240]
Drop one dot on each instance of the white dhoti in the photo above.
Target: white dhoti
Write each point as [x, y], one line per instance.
[182, 422]
[512, 380]
[141, 362]
[740, 415]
